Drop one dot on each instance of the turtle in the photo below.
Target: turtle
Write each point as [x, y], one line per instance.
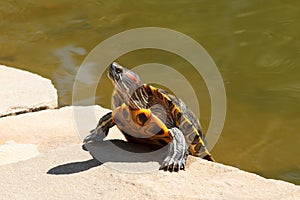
[149, 115]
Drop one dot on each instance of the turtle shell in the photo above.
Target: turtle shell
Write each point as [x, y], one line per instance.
[152, 112]
[141, 125]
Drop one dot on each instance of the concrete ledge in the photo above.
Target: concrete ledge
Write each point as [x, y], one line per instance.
[63, 170]
[22, 91]
[71, 173]
[49, 129]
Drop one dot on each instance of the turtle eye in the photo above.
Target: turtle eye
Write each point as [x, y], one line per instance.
[141, 119]
[119, 70]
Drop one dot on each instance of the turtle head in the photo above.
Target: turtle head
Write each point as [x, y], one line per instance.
[124, 80]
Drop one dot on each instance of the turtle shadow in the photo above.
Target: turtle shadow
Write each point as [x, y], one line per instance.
[122, 155]
[74, 167]
[127, 152]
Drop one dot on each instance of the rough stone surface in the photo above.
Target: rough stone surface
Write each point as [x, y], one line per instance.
[51, 128]
[70, 173]
[64, 171]
[22, 91]
[12, 152]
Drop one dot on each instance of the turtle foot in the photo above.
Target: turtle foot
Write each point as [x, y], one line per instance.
[95, 136]
[177, 153]
[172, 165]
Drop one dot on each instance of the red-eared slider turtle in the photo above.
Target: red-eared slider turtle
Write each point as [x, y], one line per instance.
[151, 116]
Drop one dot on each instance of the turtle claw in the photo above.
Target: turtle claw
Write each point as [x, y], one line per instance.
[95, 136]
[90, 138]
[173, 166]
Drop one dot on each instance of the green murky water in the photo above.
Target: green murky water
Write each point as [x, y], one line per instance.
[255, 44]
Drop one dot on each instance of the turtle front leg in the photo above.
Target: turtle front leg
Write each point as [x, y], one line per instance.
[177, 152]
[101, 130]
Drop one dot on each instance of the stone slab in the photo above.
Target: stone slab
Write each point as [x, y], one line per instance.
[22, 91]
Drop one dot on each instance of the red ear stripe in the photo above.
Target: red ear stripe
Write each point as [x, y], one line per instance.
[133, 77]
